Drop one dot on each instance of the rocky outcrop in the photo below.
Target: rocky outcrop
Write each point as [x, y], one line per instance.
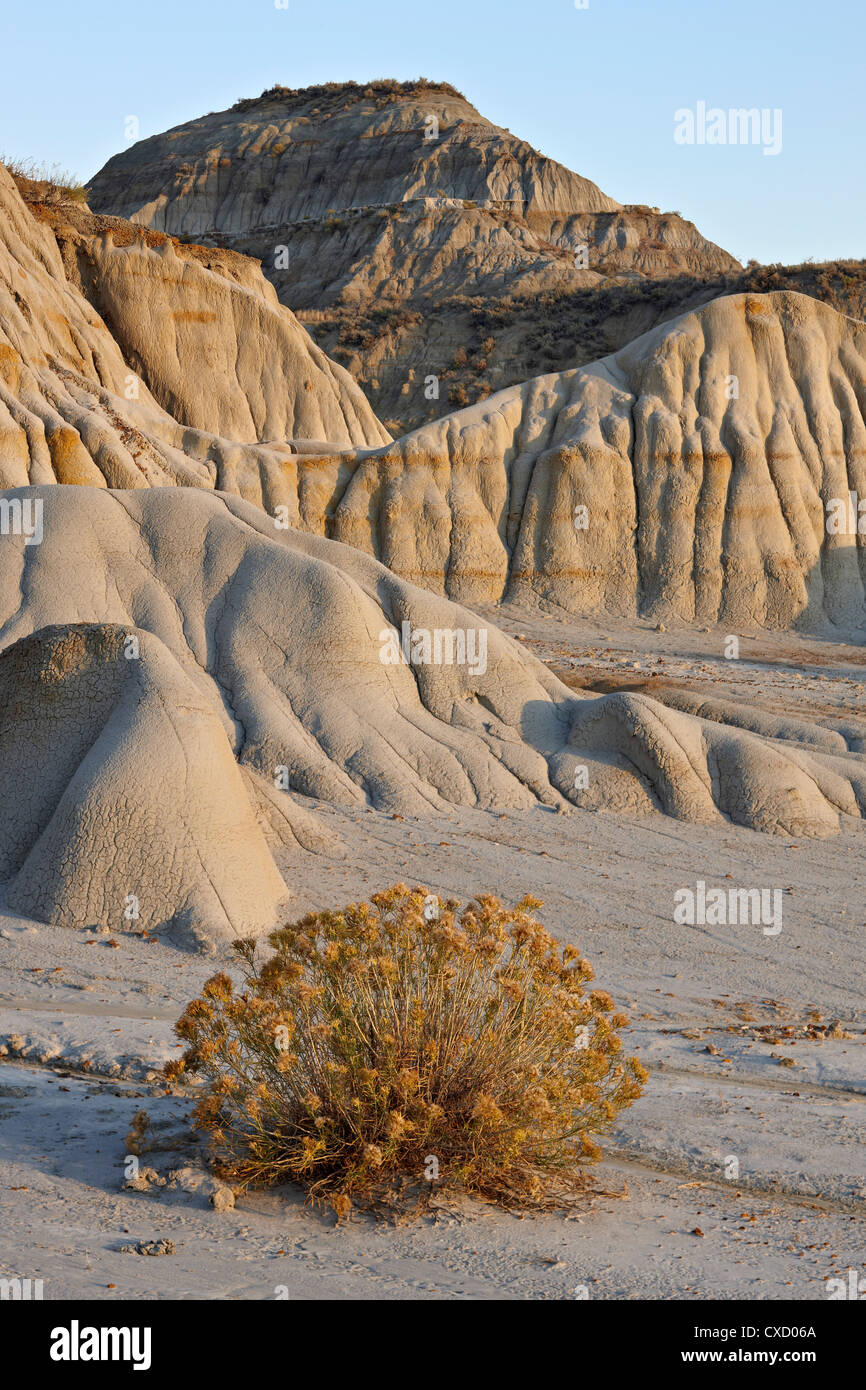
[690, 476]
[164, 724]
[206, 379]
[374, 209]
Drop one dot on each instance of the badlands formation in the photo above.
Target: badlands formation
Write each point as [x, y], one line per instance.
[687, 477]
[241, 678]
[290, 160]
[233, 605]
[389, 217]
[205, 380]
[691, 476]
[168, 723]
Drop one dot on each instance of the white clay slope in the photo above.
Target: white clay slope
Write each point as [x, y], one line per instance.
[120, 800]
[260, 676]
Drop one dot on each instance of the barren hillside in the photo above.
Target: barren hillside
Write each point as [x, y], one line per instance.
[381, 214]
[687, 476]
[128, 360]
[192, 716]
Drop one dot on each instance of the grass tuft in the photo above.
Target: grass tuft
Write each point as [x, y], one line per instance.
[48, 182]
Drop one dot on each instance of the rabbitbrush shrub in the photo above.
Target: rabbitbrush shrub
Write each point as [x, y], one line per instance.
[393, 1033]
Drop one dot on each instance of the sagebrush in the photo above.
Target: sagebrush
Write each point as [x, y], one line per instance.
[405, 1040]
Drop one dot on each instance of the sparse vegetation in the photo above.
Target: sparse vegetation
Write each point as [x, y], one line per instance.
[49, 182]
[547, 331]
[405, 1040]
[331, 94]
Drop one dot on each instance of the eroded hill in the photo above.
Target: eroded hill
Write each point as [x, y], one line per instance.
[688, 477]
[128, 360]
[166, 726]
[701, 474]
[384, 214]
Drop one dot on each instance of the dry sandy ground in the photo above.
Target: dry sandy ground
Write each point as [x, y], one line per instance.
[735, 1026]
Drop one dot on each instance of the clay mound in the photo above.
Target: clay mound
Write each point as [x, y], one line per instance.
[120, 800]
[270, 672]
[688, 477]
[212, 348]
[205, 331]
[399, 206]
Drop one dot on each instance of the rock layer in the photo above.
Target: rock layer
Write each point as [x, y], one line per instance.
[213, 349]
[690, 476]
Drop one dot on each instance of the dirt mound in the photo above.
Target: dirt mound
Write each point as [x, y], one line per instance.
[120, 800]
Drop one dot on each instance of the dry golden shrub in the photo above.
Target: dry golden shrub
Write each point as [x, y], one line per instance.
[406, 1039]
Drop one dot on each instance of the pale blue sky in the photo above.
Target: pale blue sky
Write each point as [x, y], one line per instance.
[596, 89]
